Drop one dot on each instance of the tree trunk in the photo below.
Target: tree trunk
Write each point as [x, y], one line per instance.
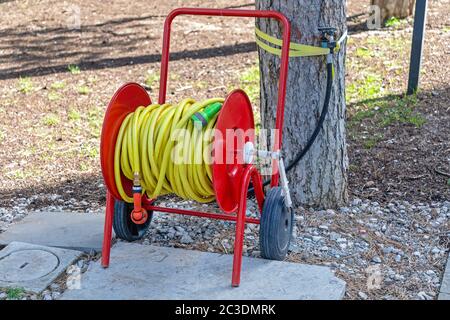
[320, 178]
[394, 8]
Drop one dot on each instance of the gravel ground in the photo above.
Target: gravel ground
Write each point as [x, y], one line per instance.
[396, 250]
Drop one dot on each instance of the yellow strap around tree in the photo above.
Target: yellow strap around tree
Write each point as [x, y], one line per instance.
[295, 49]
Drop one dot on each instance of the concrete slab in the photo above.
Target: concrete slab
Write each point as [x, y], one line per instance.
[78, 231]
[444, 292]
[33, 267]
[444, 296]
[149, 272]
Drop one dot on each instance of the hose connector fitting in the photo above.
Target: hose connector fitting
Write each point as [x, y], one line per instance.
[136, 180]
[328, 38]
[139, 215]
[202, 118]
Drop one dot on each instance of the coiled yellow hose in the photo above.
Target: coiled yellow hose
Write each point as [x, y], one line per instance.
[145, 149]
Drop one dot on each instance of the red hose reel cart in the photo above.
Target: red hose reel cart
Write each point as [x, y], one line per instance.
[230, 180]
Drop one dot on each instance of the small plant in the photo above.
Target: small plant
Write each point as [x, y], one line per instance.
[83, 89]
[95, 119]
[84, 166]
[151, 79]
[53, 96]
[201, 84]
[51, 119]
[372, 141]
[174, 77]
[73, 69]
[448, 182]
[57, 85]
[363, 52]
[25, 85]
[74, 115]
[90, 151]
[2, 135]
[14, 293]
[392, 22]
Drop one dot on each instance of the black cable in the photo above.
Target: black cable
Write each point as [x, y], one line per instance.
[323, 114]
[319, 125]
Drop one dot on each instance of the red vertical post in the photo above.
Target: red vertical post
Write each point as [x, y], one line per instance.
[284, 68]
[240, 225]
[238, 246]
[107, 234]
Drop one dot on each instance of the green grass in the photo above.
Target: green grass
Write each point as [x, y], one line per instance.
[83, 89]
[25, 85]
[89, 150]
[51, 119]
[374, 41]
[368, 88]
[58, 85]
[151, 79]
[395, 22]
[375, 64]
[201, 84]
[372, 141]
[95, 120]
[53, 96]
[14, 293]
[84, 166]
[174, 77]
[363, 52]
[388, 110]
[249, 82]
[74, 115]
[73, 69]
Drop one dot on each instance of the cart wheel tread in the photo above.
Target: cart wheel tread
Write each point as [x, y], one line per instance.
[276, 226]
[124, 227]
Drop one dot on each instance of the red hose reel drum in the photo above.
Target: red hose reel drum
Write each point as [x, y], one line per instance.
[235, 126]
[126, 99]
[228, 164]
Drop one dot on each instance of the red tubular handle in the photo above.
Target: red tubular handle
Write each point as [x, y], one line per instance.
[235, 13]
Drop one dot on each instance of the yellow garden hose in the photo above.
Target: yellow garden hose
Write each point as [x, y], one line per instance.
[144, 151]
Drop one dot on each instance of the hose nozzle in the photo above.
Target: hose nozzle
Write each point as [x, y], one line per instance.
[201, 119]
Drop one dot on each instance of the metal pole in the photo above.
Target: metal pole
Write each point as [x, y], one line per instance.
[420, 16]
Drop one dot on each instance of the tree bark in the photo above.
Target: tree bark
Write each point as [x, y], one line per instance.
[320, 178]
[394, 8]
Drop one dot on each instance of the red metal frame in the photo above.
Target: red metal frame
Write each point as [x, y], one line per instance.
[283, 68]
[250, 172]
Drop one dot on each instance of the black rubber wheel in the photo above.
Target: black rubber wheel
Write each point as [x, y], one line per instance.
[276, 226]
[124, 227]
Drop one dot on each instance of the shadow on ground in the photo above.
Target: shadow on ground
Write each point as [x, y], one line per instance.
[399, 147]
[110, 44]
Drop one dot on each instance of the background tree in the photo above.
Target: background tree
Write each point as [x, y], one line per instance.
[394, 8]
[319, 179]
